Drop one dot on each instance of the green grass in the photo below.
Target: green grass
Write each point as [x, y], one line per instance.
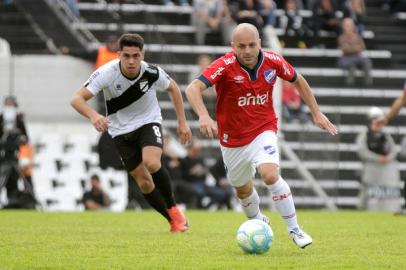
[140, 240]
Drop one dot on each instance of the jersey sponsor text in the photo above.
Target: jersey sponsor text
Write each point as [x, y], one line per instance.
[249, 99]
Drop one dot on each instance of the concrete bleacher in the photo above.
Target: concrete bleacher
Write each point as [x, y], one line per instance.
[21, 31]
[63, 163]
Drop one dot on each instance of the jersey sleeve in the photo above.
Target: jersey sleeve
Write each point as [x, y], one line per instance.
[213, 73]
[163, 80]
[285, 70]
[96, 81]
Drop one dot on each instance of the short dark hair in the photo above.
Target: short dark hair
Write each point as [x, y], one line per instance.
[131, 40]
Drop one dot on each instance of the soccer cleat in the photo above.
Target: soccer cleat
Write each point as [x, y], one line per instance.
[300, 238]
[178, 220]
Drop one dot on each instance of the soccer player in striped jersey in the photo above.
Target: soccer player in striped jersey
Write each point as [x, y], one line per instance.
[129, 85]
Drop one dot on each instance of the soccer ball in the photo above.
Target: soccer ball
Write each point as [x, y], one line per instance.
[254, 236]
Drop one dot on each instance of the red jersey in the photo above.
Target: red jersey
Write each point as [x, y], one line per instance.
[244, 106]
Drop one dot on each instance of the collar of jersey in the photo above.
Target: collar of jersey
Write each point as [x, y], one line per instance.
[253, 72]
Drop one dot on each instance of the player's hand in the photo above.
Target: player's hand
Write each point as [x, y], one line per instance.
[100, 122]
[208, 127]
[322, 122]
[184, 133]
[379, 122]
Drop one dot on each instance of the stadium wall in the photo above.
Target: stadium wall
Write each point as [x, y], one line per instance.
[43, 85]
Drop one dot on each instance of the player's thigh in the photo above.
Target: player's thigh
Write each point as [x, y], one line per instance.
[151, 141]
[238, 167]
[264, 154]
[264, 149]
[129, 150]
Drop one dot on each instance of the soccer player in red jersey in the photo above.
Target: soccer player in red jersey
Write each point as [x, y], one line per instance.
[247, 124]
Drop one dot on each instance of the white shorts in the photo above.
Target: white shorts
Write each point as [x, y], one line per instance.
[241, 162]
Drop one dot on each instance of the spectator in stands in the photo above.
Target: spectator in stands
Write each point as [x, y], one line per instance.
[96, 198]
[325, 17]
[380, 174]
[292, 23]
[105, 54]
[353, 53]
[267, 9]
[195, 172]
[355, 9]
[109, 158]
[25, 161]
[293, 107]
[247, 11]
[219, 173]
[393, 111]
[184, 3]
[12, 131]
[185, 193]
[379, 122]
[211, 15]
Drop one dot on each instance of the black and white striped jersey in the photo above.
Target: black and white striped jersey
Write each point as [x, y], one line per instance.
[130, 103]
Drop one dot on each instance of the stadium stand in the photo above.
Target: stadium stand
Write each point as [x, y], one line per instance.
[169, 38]
[21, 31]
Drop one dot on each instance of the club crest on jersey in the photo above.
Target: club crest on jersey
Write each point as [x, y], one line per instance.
[118, 86]
[239, 79]
[143, 86]
[270, 75]
[270, 150]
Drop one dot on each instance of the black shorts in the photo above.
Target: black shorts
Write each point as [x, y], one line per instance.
[130, 145]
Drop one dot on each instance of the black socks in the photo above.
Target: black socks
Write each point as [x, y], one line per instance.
[162, 181]
[155, 200]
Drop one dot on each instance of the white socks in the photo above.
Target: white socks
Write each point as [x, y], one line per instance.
[283, 201]
[250, 205]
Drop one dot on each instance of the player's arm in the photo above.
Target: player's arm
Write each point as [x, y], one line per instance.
[318, 117]
[184, 131]
[195, 98]
[79, 102]
[393, 111]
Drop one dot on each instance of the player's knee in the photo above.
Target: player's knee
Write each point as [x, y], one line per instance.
[145, 185]
[152, 164]
[270, 177]
[244, 192]
[143, 181]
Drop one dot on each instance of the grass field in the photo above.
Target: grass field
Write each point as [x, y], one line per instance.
[140, 240]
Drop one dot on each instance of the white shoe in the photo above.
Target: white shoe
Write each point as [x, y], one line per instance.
[300, 238]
